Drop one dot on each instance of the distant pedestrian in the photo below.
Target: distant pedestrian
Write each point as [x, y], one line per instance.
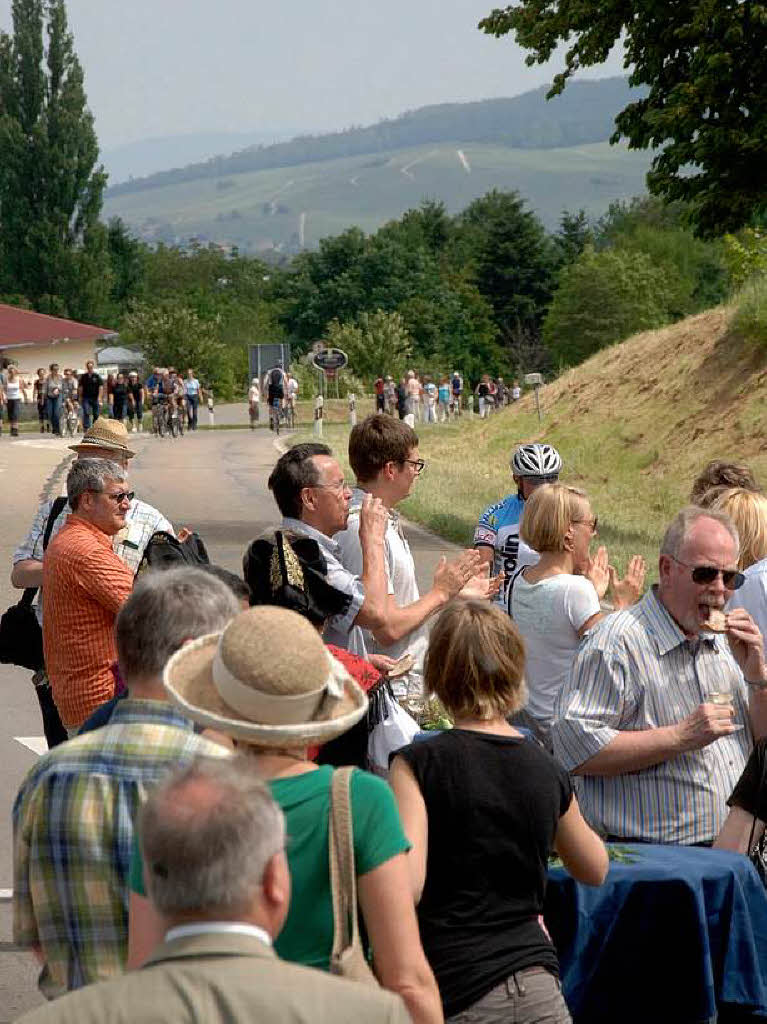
[119, 397]
[135, 407]
[91, 393]
[430, 401]
[516, 391]
[13, 399]
[390, 396]
[482, 391]
[456, 388]
[402, 398]
[413, 395]
[192, 393]
[40, 399]
[53, 387]
[444, 399]
[380, 388]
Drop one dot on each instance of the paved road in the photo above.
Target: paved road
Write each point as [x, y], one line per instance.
[212, 481]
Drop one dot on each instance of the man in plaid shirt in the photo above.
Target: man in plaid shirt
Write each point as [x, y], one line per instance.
[74, 815]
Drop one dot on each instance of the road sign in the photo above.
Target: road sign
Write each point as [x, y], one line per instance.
[534, 379]
[330, 359]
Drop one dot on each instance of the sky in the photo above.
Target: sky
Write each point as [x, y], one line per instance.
[170, 67]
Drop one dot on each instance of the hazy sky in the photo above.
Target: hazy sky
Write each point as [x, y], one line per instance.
[166, 67]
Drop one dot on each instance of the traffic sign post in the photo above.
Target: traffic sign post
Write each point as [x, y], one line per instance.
[536, 380]
[319, 402]
[352, 409]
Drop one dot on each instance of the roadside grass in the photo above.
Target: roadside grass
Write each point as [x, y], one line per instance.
[634, 425]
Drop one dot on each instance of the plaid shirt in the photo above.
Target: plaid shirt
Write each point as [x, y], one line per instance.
[73, 822]
[84, 586]
[141, 521]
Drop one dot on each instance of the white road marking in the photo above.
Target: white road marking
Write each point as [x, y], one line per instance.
[464, 161]
[37, 744]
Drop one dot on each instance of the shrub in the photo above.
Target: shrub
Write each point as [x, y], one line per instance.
[750, 317]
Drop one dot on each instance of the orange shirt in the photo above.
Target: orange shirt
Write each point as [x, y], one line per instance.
[84, 586]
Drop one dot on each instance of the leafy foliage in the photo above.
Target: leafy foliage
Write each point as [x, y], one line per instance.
[750, 318]
[706, 108]
[52, 247]
[746, 256]
[603, 298]
[376, 344]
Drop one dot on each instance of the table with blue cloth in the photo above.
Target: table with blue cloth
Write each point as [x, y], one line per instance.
[678, 935]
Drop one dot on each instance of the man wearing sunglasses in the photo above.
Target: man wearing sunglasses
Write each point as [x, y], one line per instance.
[660, 712]
[383, 453]
[84, 586]
[105, 439]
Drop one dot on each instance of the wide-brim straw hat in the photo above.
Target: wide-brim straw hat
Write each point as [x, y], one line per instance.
[267, 679]
[105, 433]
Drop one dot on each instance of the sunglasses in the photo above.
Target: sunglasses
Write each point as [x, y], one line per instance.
[119, 496]
[704, 574]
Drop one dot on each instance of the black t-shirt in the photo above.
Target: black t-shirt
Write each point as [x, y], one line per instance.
[483, 390]
[134, 389]
[493, 804]
[90, 383]
[119, 393]
[750, 792]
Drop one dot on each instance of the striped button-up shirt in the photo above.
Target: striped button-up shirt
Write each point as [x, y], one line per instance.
[636, 670]
[73, 824]
[84, 586]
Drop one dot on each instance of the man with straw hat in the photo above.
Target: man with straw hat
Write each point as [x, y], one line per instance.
[268, 682]
[105, 439]
[214, 841]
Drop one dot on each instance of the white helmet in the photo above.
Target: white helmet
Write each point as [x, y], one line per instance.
[536, 460]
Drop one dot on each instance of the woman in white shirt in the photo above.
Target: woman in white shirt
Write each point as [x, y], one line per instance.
[555, 602]
[13, 399]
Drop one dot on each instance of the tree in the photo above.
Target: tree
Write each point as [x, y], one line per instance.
[171, 334]
[52, 247]
[128, 257]
[603, 298]
[377, 343]
[513, 259]
[706, 109]
[573, 236]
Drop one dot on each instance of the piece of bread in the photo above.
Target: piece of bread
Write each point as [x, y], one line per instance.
[401, 666]
[716, 621]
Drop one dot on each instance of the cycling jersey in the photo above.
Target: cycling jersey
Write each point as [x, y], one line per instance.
[498, 528]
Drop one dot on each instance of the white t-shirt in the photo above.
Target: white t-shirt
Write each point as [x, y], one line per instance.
[292, 387]
[549, 614]
[400, 572]
[12, 390]
[254, 394]
[753, 597]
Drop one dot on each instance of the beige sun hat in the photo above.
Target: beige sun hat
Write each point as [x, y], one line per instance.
[105, 433]
[267, 679]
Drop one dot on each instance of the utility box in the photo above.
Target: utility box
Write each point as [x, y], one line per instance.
[534, 380]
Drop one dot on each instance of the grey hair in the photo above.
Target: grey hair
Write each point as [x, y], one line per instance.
[681, 524]
[91, 475]
[166, 608]
[207, 834]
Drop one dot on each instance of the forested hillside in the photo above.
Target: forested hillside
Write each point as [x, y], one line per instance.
[585, 113]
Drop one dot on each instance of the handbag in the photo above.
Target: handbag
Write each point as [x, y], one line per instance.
[21, 638]
[347, 958]
[757, 851]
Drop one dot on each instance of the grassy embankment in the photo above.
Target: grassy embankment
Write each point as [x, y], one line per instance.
[634, 425]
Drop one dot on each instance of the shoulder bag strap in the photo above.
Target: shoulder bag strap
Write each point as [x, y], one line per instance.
[512, 581]
[343, 880]
[29, 593]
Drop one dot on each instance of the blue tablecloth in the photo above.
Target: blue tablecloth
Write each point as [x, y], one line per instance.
[678, 936]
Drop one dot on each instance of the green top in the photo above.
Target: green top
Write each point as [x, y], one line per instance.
[307, 935]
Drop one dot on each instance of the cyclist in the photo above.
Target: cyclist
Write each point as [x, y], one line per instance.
[497, 534]
[275, 382]
[163, 392]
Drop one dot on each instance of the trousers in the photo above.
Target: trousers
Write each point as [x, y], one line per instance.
[532, 996]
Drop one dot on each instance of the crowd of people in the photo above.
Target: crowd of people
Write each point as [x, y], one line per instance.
[68, 402]
[237, 765]
[436, 400]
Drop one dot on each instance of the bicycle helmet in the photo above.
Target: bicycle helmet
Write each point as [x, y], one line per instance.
[537, 460]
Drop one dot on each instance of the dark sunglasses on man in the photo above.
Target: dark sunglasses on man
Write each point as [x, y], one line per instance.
[705, 574]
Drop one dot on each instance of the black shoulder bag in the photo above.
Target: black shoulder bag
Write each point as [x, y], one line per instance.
[21, 638]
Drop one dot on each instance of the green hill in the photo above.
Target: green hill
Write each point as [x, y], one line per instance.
[286, 208]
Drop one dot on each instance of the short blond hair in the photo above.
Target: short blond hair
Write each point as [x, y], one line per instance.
[476, 661]
[548, 513]
[748, 511]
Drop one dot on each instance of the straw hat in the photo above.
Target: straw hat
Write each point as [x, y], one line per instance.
[267, 679]
[109, 434]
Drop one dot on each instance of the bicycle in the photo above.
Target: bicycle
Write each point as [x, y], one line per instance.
[289, 414]
[275, 414]
[158, 418]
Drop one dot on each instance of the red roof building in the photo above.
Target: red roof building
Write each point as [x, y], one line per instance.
[34, 339]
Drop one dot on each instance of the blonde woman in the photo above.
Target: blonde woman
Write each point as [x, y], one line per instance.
[557, 600]
[484, 808]
[748, 511]
[270, 685]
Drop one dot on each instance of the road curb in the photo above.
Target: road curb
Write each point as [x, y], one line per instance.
[412, 527]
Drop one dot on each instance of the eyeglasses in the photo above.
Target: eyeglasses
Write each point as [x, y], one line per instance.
[118, 497]
[339, 485]
[704, 574]
[419, 465]
[593, 524]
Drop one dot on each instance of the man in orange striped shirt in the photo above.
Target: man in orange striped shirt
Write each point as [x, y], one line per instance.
[84, 586]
